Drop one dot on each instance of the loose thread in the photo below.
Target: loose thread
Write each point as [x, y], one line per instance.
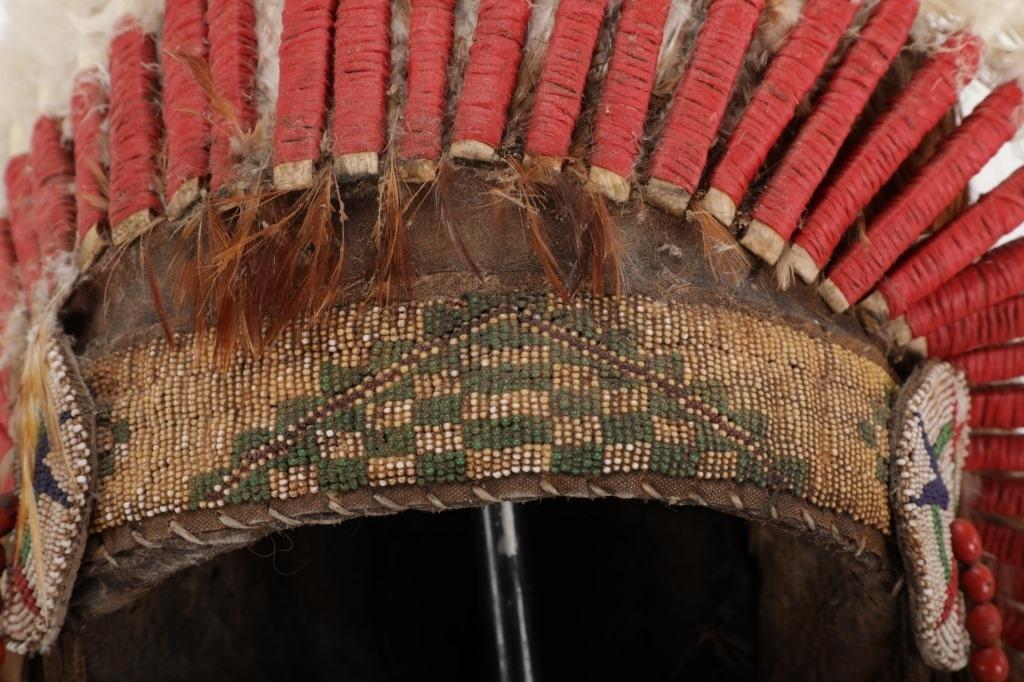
[233, 50]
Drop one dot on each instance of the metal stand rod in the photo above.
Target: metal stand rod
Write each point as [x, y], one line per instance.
[506, 583]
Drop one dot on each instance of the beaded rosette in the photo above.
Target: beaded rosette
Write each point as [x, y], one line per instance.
[929, 448]
[52, 521]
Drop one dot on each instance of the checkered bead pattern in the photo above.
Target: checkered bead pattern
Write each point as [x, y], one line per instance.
[458, 391]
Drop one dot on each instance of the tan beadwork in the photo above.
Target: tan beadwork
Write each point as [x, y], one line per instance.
[528, 384]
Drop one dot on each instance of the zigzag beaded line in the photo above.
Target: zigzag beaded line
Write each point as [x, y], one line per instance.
[18, 184]
[989, 365]
[186, 113]
[889, 142]
[622, 111]
[956, 246]
[88, 113]
[563, 76]
[53, 180]
[431, 32]
[993, 279]
[233, 49]
[301, 117]
[992, 326]
[362, 64]
[134, 128]
[790, 77]
[700, 102]
[791, 187]
[993, 123]
[491, 77]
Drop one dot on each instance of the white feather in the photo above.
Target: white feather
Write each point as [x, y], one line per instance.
[45, 45]
[1000, 24]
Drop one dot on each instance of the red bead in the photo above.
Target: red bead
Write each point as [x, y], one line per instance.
[3, 652]
[978, 582]
[966, 542]
[990, 665]
[985, 624]
[8, 513]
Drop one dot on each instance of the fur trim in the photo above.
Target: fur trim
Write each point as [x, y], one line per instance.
[538, 35]
[672, 58]
[269, 23]
[466, 13]
[401, 15]
[778, 18]
[15, 331]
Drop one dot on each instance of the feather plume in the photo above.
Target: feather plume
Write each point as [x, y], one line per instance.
[785, 270]
[440, 191]
[729, 262]
[392, 271]
[251, 264]
[522, 189]
[597, 243]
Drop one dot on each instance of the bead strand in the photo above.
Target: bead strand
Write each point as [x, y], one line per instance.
[988, 661]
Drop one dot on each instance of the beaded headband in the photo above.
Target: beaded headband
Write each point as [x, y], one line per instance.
[275, 262]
